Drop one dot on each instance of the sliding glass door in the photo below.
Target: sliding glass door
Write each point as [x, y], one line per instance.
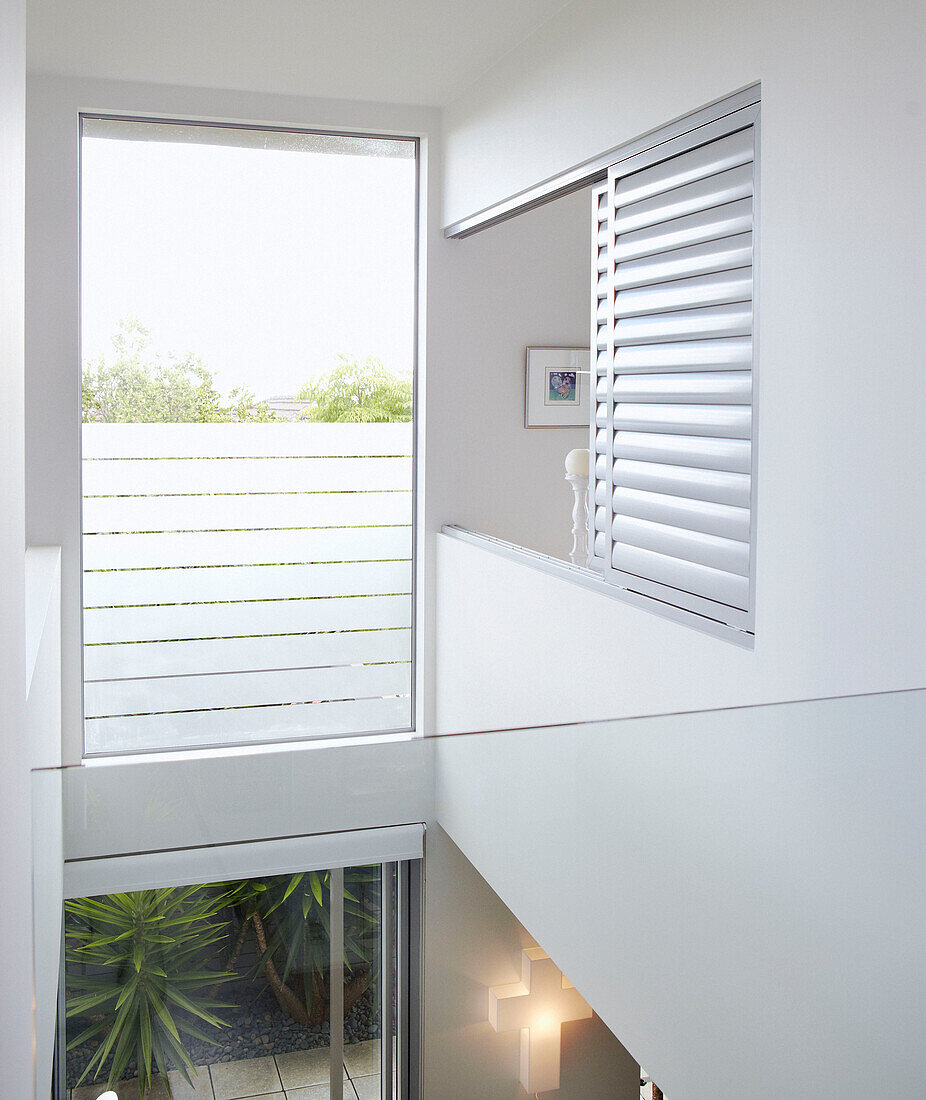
[292, 985]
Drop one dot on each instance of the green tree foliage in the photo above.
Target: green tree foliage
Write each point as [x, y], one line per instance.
[358, 392]
[138, 387]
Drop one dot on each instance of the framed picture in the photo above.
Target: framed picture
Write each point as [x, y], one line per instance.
[556, 388]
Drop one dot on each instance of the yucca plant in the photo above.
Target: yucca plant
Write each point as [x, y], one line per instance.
[140, 972]
[290, 918]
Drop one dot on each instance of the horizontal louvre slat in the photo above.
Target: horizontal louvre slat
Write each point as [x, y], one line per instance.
[726, 421]
[149, 659]
[223, 513]
[253, 725]
[245, 547]
[693, 515]
[712, 584]
[707, 225]
[726, 254]
[233, 620]
[723, 354]
[263, 441]
[727, 555]
[703, 194]
[732, 455]
[244, 689]
[697, 387]
[119, 588]
[244, 475]
[706, 160]
[691, 324]
[679, 481]
[702, 290]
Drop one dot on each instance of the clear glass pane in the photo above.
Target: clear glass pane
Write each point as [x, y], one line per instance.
[363, 979]
[225, 985]
[247, 320]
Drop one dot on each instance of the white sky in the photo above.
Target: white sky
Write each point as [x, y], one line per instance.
[265, 263]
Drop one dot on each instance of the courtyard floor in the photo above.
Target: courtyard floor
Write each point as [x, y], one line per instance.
[300, 1075]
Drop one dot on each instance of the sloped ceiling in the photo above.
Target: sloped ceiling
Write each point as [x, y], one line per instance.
[420, 52]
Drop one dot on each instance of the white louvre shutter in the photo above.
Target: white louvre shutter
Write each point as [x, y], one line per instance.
[673, 405]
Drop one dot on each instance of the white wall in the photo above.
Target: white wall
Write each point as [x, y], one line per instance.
[473, 941]
[525, 282]
[16, 1049]
[841, 281]
[738, 894]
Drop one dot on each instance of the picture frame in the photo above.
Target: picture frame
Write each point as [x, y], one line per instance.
[556, 384]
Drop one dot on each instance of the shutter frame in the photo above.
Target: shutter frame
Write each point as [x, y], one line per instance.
[685, 345]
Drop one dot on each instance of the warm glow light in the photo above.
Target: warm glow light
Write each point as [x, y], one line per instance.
[537, 1006]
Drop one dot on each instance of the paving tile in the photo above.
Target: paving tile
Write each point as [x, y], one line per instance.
[201, 1089]
[362, 1059]
[368, 1088]
[299, 1068]
[247, 1078]
[319, 1092]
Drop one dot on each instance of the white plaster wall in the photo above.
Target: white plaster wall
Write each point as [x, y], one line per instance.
[739, 894]
[16, 1046]
[524, 282]
[842, 386]
[473, 941]
[517, 647]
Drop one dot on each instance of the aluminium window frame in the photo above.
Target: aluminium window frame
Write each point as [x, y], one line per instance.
[417, 452]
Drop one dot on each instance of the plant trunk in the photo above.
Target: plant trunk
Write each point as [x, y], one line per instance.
[286, 999]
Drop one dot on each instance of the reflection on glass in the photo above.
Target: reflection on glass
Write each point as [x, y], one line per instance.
[226, 986]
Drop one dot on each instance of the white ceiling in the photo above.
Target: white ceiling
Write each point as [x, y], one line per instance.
[396, 51]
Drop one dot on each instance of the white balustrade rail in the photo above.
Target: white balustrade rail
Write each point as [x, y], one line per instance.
[245, 582]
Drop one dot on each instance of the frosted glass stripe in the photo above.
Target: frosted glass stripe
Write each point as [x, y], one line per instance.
[118, 588]
[164, 623]
[150, 659]
[250, 725]
[245, 547]
[176, 693]
[222, 513]
[244, 475]
[147, 441]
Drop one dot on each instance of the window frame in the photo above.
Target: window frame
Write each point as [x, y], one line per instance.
[420, 190]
